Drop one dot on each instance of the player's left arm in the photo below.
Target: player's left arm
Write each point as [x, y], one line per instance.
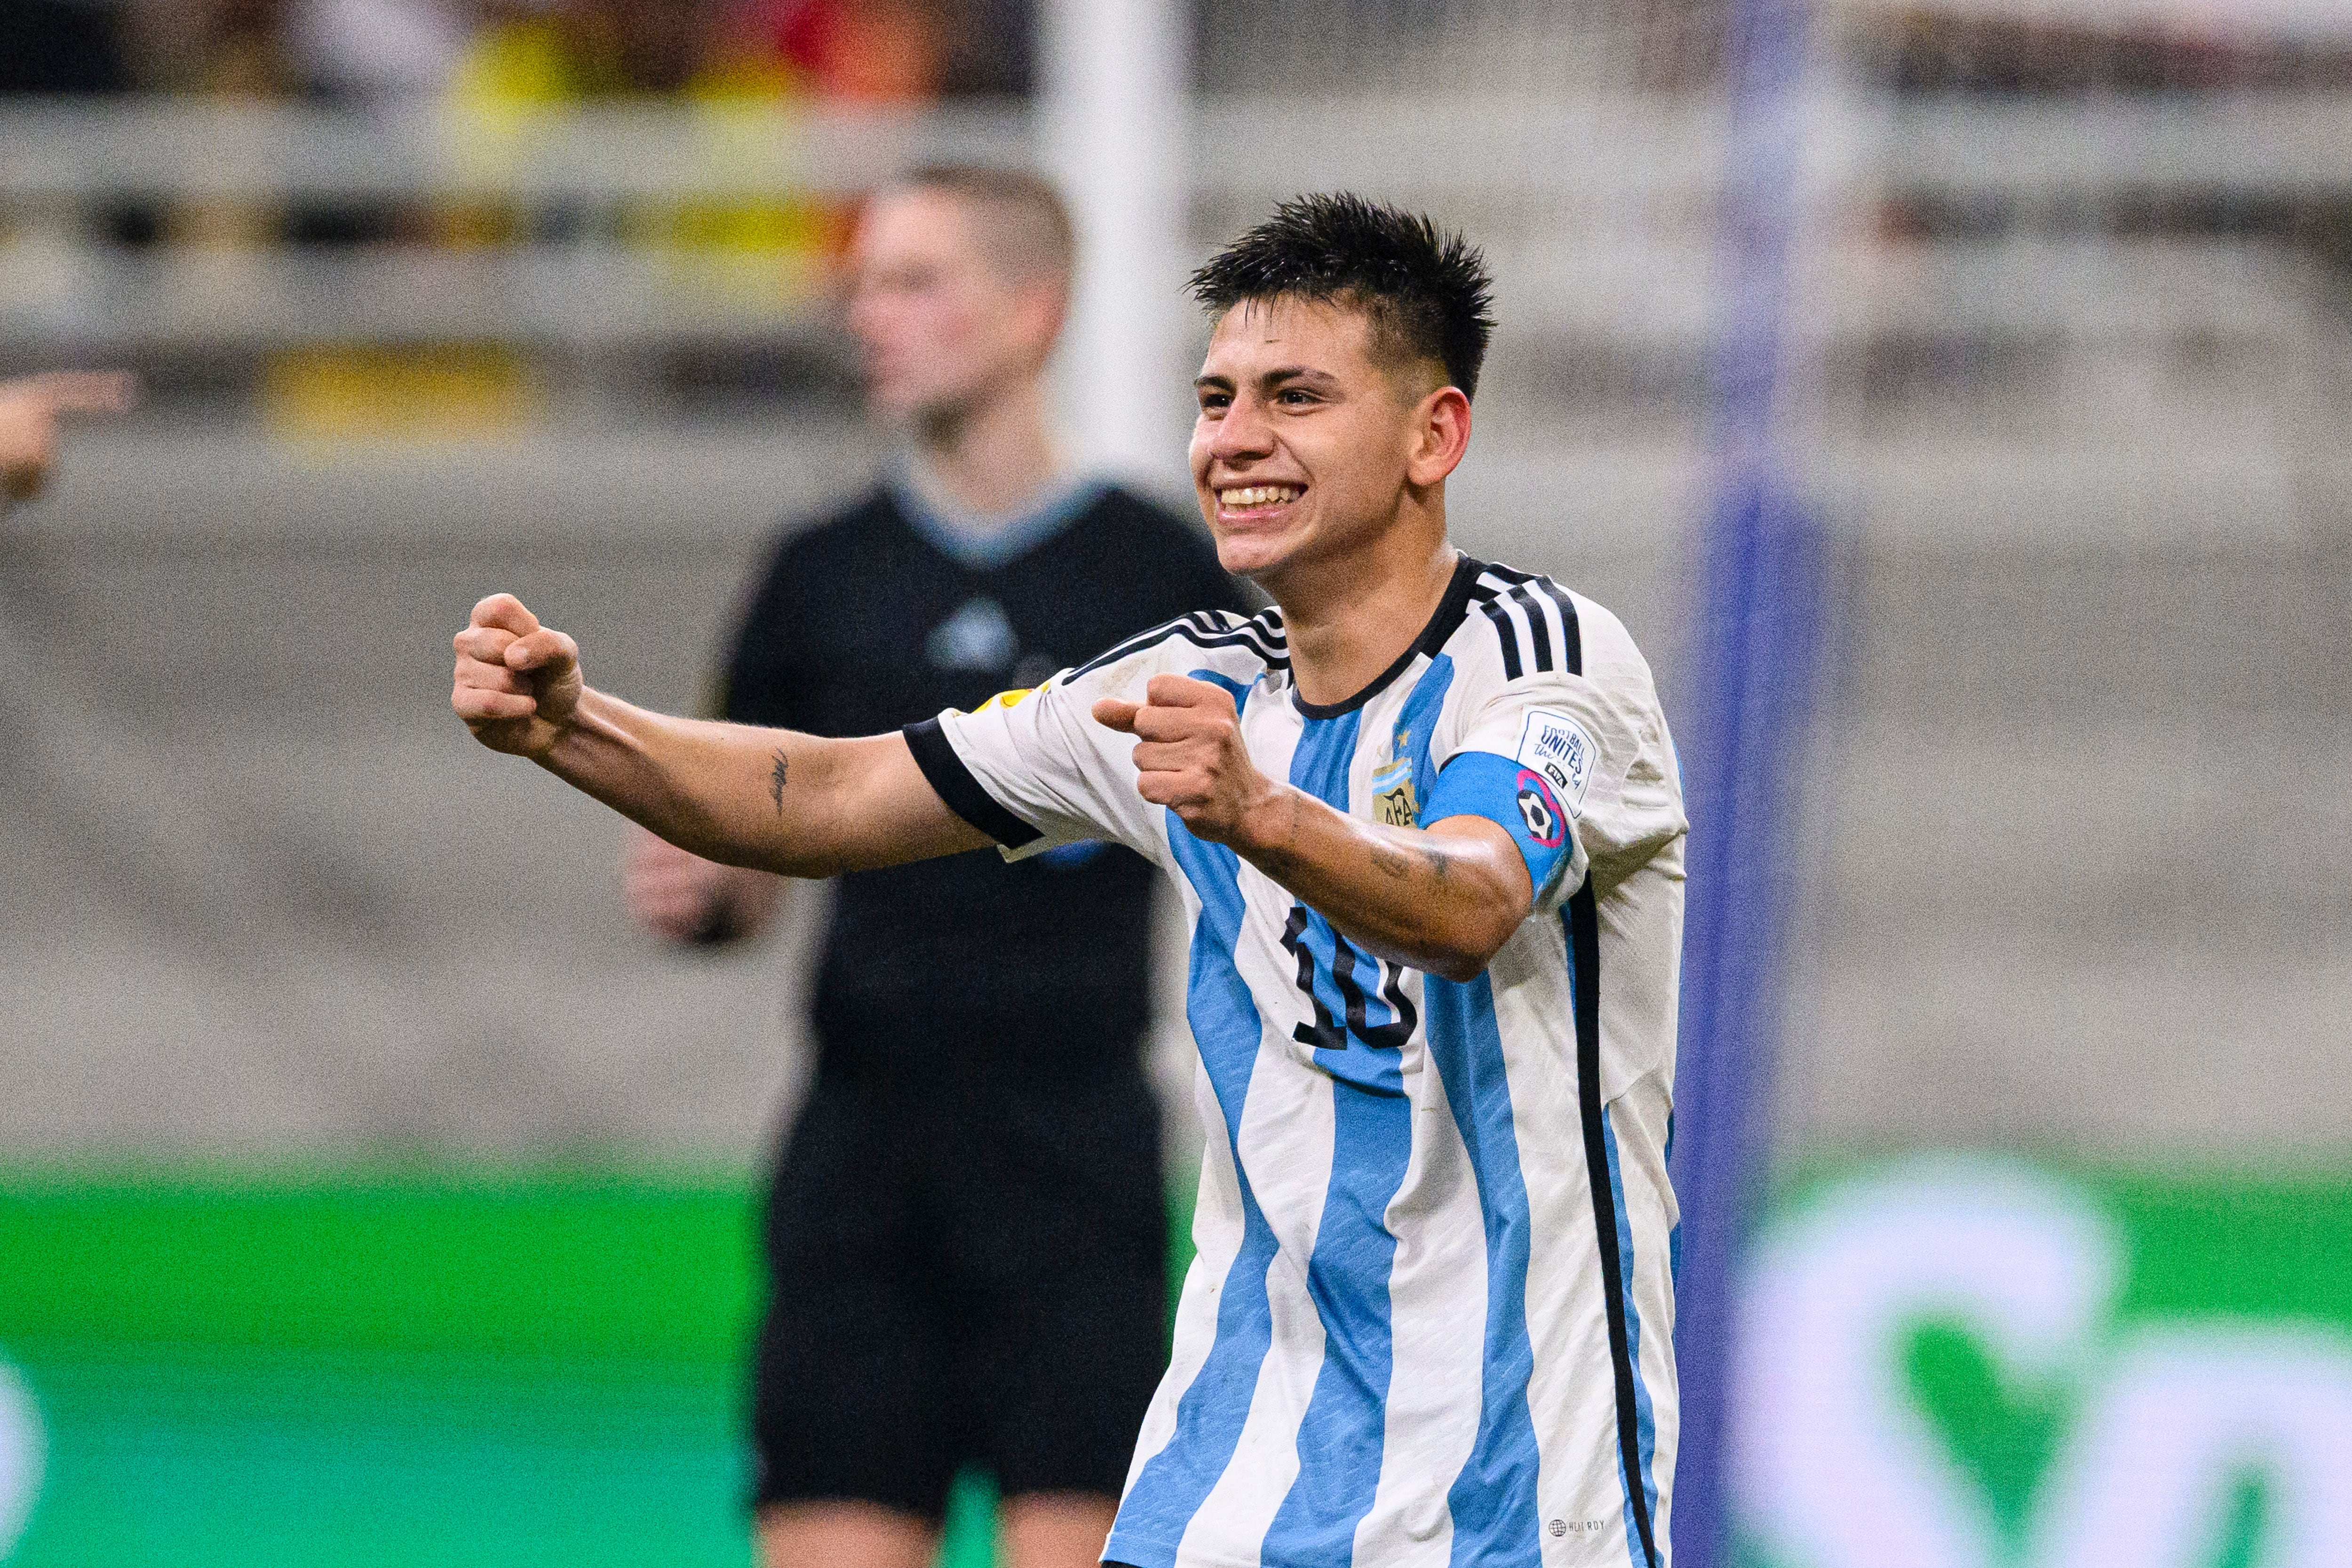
[1442, 899]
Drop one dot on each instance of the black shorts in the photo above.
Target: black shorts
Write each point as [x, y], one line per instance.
[970, 1268]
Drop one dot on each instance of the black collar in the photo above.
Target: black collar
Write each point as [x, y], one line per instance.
[1442, 624]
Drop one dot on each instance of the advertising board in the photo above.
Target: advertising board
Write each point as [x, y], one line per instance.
[1955, 1362]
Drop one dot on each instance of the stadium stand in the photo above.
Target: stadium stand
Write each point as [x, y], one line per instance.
[2073, 320]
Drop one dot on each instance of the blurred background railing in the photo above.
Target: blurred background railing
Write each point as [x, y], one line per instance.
[2010, 219]
[2069, 312]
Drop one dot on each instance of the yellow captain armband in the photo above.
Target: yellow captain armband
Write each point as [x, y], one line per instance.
[1016, 697]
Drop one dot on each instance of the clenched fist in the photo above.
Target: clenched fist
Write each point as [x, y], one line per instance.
[517, 682]
[1190, 757]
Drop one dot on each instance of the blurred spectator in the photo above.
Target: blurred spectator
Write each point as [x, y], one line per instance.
[576, 50]
[231, 48]
[861, 51]
[264, 48]
[380, 48]
[697, 51]
[57, 46]
[871, 51]
[30, 409]
[892, 51]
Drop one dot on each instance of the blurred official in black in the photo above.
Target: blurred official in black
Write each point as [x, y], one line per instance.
[966, 1232]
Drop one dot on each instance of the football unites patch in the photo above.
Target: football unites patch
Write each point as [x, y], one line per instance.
[1561, 750]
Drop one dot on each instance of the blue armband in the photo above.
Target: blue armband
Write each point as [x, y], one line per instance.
[1518, 800]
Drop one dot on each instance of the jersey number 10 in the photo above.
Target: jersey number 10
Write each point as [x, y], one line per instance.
[1328, 1033]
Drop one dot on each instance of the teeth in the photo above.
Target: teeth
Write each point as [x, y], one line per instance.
[1259, 495]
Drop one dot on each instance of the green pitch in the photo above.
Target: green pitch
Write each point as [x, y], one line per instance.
[387, 1369]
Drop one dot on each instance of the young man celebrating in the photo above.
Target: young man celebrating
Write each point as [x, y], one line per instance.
[1426, 822]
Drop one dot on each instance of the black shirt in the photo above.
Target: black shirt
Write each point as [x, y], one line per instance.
[864, 624]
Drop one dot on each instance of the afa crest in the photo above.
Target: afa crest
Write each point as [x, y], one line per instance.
[1393, 804]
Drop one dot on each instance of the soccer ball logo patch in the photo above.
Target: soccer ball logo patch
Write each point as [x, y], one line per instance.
[1539, 811]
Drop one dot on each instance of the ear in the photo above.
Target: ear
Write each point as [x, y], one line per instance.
[1042, 307]
[1441, 435]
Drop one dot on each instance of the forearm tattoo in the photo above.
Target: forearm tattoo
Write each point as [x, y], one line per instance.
[776, 776]
[1399, 862]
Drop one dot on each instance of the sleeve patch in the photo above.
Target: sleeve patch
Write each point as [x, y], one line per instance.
[1560, 752]
[1539, 811]
[1518, 800]
[1015, 698]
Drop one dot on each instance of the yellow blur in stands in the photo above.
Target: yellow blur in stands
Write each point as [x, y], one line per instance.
[520, 69]
[435, 392]
[766, 252]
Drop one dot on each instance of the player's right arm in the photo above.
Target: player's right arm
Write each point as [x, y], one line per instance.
[800, 805]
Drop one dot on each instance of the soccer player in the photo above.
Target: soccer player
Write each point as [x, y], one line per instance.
[967, 1248]
[1426, 822]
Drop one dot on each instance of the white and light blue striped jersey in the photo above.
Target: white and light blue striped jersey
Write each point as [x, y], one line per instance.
[1431, 1319]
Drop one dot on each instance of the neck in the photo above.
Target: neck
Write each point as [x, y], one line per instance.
[1348, 617]
[993, 454]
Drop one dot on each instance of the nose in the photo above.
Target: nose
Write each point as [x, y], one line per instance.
[1244, 434]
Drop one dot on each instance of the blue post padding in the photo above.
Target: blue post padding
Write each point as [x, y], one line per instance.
[1761, 609]
[1761, 637]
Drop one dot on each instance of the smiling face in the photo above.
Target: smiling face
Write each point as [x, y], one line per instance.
[1307, 447]
[939, 326]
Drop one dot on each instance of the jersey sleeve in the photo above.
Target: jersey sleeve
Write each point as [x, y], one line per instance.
[1577, 768]
[1033, 771]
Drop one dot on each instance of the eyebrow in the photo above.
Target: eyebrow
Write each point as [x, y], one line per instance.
[1272, 377]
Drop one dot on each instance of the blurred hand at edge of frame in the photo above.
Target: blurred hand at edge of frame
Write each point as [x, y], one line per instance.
[30, 409]
[680, 897]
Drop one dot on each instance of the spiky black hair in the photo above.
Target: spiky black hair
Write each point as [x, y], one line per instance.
[1426, 291]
